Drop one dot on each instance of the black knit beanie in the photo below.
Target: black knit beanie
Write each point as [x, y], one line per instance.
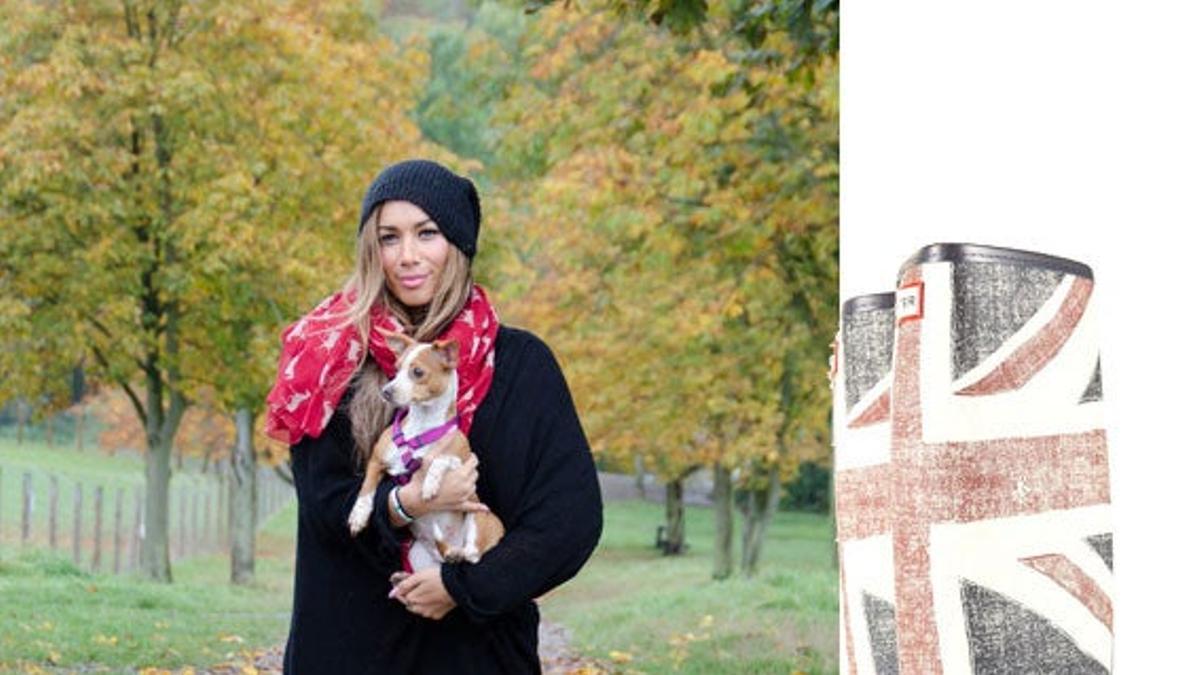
[449, 199]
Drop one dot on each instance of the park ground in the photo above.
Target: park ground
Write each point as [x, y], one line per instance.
[629, 610]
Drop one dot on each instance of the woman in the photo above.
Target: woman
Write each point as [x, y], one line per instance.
[417, 233]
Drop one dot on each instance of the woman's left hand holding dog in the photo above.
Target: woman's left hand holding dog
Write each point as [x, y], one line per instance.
[423, 594]
[456, 493]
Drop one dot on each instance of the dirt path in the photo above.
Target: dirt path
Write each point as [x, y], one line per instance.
[554, 646]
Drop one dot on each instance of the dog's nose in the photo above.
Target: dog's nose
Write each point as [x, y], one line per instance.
[386, 393]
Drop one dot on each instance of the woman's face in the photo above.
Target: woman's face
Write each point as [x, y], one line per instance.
[413, 251]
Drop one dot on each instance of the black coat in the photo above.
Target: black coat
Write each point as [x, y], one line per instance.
[535, 472]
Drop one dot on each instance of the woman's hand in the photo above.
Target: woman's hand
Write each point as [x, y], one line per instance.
[455, 493]
[423, 594]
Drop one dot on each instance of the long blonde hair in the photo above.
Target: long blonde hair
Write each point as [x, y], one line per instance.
[369, 413]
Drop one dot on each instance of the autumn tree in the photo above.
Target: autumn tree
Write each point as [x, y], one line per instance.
[679, 224]
[179, 181]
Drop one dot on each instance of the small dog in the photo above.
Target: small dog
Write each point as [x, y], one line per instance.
[427, 383]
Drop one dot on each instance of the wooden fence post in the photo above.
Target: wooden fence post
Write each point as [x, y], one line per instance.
[77, 526]
[117, 532]
[52, 498]
[222, 510]
[139, 524]
[26, 506]
[207, 538]
[256, 505]
[97, 533]
[194, 528]
[182, 523]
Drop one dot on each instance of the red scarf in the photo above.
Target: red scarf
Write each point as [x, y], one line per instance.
[319, 358]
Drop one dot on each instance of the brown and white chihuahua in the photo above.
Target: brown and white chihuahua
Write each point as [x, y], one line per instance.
[422, 446]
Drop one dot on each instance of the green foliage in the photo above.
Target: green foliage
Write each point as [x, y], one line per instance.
[810, 490]
[471, 66]
[812, 26]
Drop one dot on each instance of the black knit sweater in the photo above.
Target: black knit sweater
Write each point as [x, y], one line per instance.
[535, 472]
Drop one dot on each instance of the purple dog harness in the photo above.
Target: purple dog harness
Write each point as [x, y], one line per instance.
[409, 446]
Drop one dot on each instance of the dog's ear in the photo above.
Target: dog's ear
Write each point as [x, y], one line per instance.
[448, 350]
[397, 340]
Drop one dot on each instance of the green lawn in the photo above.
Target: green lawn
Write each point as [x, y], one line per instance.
[53, 614]
[632, 609]
[629, 610]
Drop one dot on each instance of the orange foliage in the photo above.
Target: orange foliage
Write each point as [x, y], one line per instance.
[680, 248]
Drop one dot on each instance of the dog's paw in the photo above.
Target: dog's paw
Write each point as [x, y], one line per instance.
[359, 514]
[471, 554]
[429, 489]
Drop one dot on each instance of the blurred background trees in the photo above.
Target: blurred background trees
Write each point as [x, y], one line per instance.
[174, 179]
[178, 181]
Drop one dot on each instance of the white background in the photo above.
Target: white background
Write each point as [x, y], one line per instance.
[1070, 128]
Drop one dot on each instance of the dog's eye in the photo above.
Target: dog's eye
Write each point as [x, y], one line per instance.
[418, 373]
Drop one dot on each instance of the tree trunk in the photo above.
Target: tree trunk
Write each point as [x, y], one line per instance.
[723, 514]
[833, 538]
[78, 388]
[674, 540]
[242, 504]
[156, 554]
[161, 424]
[22, 419]
[759, 510]
[639, 480]
[49, 430]
[79, 416]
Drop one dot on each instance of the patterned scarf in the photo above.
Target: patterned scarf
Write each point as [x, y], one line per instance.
[318, 361]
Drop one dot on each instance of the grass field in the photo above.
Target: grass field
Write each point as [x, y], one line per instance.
[634, 610]
[54, 615]
[630, 609]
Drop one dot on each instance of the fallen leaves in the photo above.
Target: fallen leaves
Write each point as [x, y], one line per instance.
[588, 670]
[249, 661]
[620, 657]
